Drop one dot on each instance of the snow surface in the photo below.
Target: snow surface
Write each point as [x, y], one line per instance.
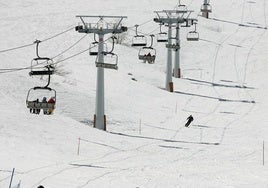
[224, 86]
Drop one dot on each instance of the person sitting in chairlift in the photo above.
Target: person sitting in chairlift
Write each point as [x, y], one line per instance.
[35, 110]
[52, 101]
[44, 101]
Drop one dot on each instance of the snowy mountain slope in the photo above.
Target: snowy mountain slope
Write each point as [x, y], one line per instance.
[223, 86]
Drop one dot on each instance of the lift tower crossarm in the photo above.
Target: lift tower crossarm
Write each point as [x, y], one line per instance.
[95, 28]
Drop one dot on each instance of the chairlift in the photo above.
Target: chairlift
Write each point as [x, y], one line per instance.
[38, 63]
[93, 51]
[162, 36]
[187, 23]
[110, 59]
[181, 8]
[206, 8]
[148, 53]
[193, 35]
[32, 99]
[35, 100]
[139, 40]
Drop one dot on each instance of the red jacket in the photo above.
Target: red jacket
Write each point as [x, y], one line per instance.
[51, 100]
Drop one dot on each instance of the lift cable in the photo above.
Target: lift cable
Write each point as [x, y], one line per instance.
[144, 23]
[44, 62]
[239, 24]
[27, 45]
[60, 61]
[3, 71]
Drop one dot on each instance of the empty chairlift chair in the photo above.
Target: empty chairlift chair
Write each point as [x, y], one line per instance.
[41, 65]
[110, 59]
[193, 35]
[162, 36]
[93, 48]
[138, 40]
[181, 8]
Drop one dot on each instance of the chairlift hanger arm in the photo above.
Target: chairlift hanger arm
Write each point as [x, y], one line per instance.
[81, 18]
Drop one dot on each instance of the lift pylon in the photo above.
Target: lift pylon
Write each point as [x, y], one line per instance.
[173, 18]
[100, 27]
[206, 9]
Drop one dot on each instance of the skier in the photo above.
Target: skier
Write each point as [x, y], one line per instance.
[189, 120]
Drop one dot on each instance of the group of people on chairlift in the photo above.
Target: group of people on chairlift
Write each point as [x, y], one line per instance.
[45, 111]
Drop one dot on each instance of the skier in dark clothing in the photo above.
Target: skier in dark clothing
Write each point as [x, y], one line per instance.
[189, 120]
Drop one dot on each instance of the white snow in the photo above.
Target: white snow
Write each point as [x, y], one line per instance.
[224, 87]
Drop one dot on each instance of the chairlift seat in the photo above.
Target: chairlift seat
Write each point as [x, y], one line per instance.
[43, 72]
[139, 44]
[93, 53]
[162, 40]
[107, 65]
[40, 105]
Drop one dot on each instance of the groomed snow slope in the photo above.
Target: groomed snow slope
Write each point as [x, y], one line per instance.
[224, 86]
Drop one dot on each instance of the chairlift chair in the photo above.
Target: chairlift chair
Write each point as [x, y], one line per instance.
[193, 35]
[181, 8]
[162, 36]
[49, 69]
[139, 40]
[206, 8]
[93, 50]
[110, 61]
[47, 92]
[148, 53]
[143, 54]
[38, 63]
